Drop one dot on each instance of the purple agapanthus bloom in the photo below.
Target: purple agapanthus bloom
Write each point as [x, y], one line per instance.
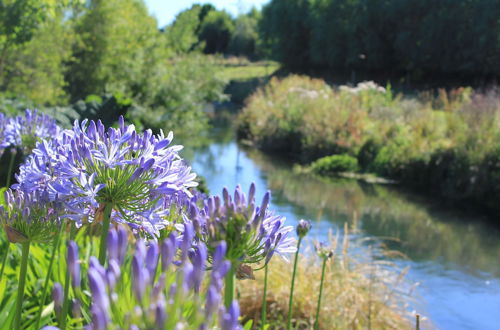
[29, 217]
[4, 143]
[252, 233]
[175, 295]
[90, 167]
[26, 131]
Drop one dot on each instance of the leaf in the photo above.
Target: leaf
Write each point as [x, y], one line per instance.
[248, 325]
[2, 196]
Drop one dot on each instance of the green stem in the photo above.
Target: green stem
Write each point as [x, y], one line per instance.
[290, 302]
[264, 300]
[316, 324]
[65, 307]
[55, 246]
[4, 259]
[11, 165]
[22, 282]
[104, 234]
[229, 285]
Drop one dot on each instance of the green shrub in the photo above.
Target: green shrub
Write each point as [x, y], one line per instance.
[335, 164]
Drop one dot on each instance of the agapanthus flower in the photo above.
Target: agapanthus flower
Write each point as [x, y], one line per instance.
[90, 168]
[323, 251]
[138, 293]
[29, 217]
[4, 142]
[303, 228]
[25, 131]
[252, 233]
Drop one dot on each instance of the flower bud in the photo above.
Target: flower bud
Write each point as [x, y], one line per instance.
[303, 228]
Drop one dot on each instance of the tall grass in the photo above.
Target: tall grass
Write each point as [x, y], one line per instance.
[447, 143]
[358, 293]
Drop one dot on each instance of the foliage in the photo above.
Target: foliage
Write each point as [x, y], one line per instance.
[333, 164]
[414, 40]
[446, 143]
[119, 49]
[35, 41]
[245, 35]
[216, 31]
[178, 98]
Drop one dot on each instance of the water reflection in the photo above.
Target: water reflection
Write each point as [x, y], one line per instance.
[454, 256]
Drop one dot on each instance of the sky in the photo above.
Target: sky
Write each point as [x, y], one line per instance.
[165, 10]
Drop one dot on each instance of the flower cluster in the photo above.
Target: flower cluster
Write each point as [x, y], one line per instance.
[29, 217]
[252, 233]
[90, 168]
[24, 132]
[162, 286]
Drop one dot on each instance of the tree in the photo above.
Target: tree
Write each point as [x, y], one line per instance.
[216, 30]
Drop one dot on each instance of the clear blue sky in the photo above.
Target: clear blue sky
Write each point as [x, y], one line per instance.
[165, 10]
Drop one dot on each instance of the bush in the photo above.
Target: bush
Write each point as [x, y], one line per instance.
[335, 164]
[448, 143]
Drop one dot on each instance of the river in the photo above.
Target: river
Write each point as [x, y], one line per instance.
[454, 257]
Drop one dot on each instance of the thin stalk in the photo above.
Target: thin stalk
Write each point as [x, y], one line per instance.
[67, 282]
[229, 286]
[104, 234]
[264, 300]
[55, 247]
[11, 165]
[22, 282]
[4, 259]
[316, 323]
[290, 302]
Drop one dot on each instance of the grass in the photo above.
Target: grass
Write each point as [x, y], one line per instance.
[358, 293]
[252, 70]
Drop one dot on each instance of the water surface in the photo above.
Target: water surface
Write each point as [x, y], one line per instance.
[454, 257]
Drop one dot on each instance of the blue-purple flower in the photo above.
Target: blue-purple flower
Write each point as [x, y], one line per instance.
[89, 168]
[139, 294]
[252, 233]
[26, 131]
[29, 217]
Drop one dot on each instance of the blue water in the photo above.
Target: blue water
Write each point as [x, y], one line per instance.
[455, 258]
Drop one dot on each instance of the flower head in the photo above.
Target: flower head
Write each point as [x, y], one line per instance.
[252, 233]
[174, 295]
[29, 217]
[90, 167]
[323, 251]
[303, 228]
[24, 132]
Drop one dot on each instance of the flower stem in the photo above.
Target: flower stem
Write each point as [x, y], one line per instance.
[4, 259]
[65, 307]
[264, 300]
[104, 234]
[55, 246]
[22, 282]
[229, 286]
[290, 302]
[316, 323]
[11, 165]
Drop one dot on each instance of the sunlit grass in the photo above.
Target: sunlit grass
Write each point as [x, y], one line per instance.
[358, 293]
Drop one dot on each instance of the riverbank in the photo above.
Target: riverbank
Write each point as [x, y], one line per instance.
[451, 254]
[445, 145]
